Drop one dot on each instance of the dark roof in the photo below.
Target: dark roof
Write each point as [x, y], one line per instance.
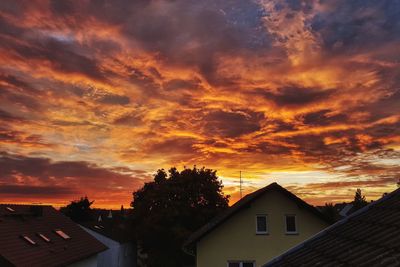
[17, 221]
[118, 228]
[368, 237]
[245, 202]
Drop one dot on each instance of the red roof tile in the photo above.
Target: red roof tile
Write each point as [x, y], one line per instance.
[31, 221]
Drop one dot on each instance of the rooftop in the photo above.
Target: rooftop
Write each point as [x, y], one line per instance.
[117, 227]
[368, 237]
[42, 236]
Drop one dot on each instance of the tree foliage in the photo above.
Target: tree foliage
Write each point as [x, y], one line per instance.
[79, 210]
[359, 200]
[330, 212]
[167, 210]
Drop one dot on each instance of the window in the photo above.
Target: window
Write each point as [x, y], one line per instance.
[291, 224]
[62, 234]
[261, 224]
[29, 240]
[241, 264]
[45, 238]
[10, 209]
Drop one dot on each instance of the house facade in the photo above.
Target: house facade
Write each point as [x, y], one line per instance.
[257, 228]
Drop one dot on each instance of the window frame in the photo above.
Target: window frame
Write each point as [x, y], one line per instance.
[266, 223]
[296, 232]
[241, 262]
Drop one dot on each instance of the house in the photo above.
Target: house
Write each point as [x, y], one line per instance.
[368, 237]
[42, 236]
[257, 228]
[115, 231]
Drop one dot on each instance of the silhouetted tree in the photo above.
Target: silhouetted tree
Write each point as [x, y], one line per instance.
[79, 210]
[330, 212]
[359, 200]
[167, 210]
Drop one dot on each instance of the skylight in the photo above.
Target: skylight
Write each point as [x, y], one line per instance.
[62, 234]
[29, 240]
[10, 209]
[45, 238]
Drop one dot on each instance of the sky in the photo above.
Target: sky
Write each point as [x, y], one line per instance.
[95, 96]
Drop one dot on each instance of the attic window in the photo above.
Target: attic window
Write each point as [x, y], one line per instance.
[45, 238]
[10, 209]
[291, 224]
[62, 234]
[262, 224]
[29, 240]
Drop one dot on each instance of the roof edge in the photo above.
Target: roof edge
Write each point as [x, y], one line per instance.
[342, 221]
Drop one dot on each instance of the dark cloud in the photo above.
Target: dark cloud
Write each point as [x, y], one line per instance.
[360, 25]
[21, 100]
[24, 190]
[165, 26]
[63, 55]
[17, 82]
[6, 116]
[131, 119]
[113, 99]
[65, 176]
[323, 117]
[178, 84]
[295, 96]
[233, 123]
[64, 7]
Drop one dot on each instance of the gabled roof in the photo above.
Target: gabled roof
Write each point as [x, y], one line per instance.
[118, 228]
[17, 221]
[368, 237]
[245, 202]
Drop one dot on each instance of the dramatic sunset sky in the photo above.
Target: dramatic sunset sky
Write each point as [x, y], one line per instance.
[95, 96]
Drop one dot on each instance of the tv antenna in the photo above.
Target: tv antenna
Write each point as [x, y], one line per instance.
[240, 184]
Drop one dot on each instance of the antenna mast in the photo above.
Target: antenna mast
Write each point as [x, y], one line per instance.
[240, 184]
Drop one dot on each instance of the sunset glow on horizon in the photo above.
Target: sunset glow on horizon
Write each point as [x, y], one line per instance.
[95, 96]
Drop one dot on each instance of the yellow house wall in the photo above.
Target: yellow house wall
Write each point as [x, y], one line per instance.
[236, 238]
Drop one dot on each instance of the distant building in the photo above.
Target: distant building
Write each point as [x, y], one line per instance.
[114, 230]
[257, 228]
[38, 236]
[368, 237]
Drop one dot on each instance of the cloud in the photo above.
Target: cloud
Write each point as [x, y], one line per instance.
[98, 93]
[295, 96]
[23, 190]
[324, 117]
[232, 123]
[6, 116]
[37, 176]
[114, 99]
